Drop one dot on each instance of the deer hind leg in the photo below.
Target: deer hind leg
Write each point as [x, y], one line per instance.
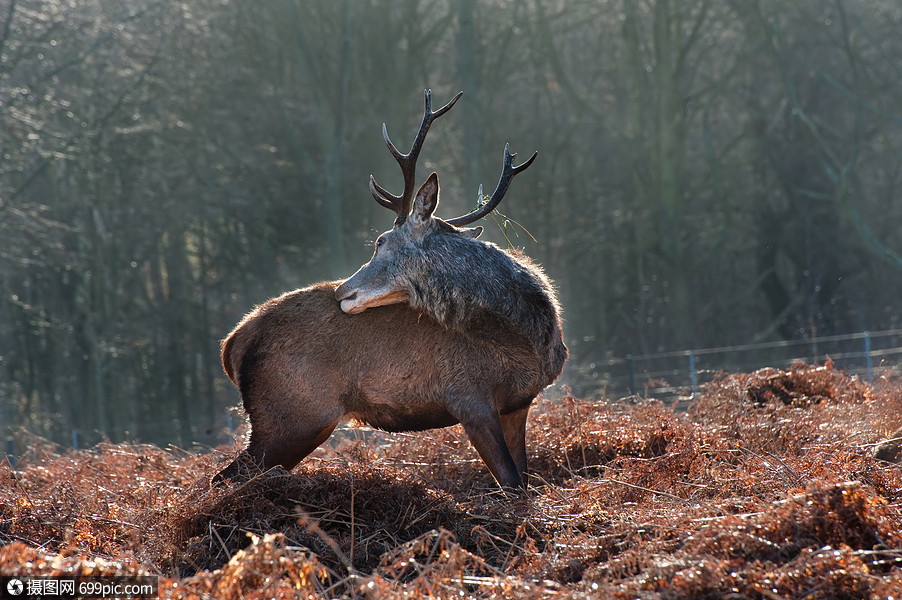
[488, 437]
[284, 445]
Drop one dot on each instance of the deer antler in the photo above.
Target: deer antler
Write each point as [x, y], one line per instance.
[408, 162]
[507, 175]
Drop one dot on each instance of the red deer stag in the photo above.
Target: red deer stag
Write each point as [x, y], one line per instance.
[437, 328]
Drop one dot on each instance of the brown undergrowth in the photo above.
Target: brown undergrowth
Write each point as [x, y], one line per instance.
[773, 485]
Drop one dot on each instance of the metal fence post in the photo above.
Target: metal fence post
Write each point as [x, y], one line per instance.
[693, 378]
[11, 451]
[632, 373]
[867, 357]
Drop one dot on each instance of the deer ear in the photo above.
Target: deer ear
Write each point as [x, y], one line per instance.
[425, 202]
[471, 232]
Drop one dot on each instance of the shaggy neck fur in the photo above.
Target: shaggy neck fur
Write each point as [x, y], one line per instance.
[484, 280]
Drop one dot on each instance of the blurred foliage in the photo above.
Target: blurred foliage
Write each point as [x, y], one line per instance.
[709, 173]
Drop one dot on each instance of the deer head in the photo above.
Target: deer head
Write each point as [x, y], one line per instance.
[399, 257]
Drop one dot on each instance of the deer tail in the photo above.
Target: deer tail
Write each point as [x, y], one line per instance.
[226, 357]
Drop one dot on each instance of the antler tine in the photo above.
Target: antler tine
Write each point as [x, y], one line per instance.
[381, 195]
[507, 175]
[408, 162]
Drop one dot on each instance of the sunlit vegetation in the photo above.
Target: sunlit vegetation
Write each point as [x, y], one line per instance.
[768, 487]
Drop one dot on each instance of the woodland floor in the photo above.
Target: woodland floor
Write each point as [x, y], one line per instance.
[774, 484]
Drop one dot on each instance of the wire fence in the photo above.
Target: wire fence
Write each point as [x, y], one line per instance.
[668, 375]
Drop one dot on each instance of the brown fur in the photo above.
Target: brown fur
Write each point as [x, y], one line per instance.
[302, 366]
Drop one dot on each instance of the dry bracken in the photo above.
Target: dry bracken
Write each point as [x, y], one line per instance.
[772, 485]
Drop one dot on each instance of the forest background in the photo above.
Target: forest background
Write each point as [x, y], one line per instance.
[710, 173]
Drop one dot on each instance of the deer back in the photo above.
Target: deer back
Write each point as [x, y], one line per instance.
[303, 342]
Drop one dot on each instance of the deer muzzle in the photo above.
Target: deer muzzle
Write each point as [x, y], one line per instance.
[354, 301]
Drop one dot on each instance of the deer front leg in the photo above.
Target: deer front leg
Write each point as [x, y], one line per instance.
[486, 433]
[514, 425]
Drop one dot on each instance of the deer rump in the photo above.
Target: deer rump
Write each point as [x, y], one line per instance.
[302, 366]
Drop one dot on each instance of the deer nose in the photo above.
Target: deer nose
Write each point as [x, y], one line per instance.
[343, 292]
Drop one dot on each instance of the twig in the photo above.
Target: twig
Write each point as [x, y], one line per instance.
[798, 480]
[767, 593]
[797, 477]
[213, 532]
[352, 519]
[314, 528]
[645, 489]
[521, 530]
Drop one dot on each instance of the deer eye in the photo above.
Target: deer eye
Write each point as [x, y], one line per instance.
[380, 242]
